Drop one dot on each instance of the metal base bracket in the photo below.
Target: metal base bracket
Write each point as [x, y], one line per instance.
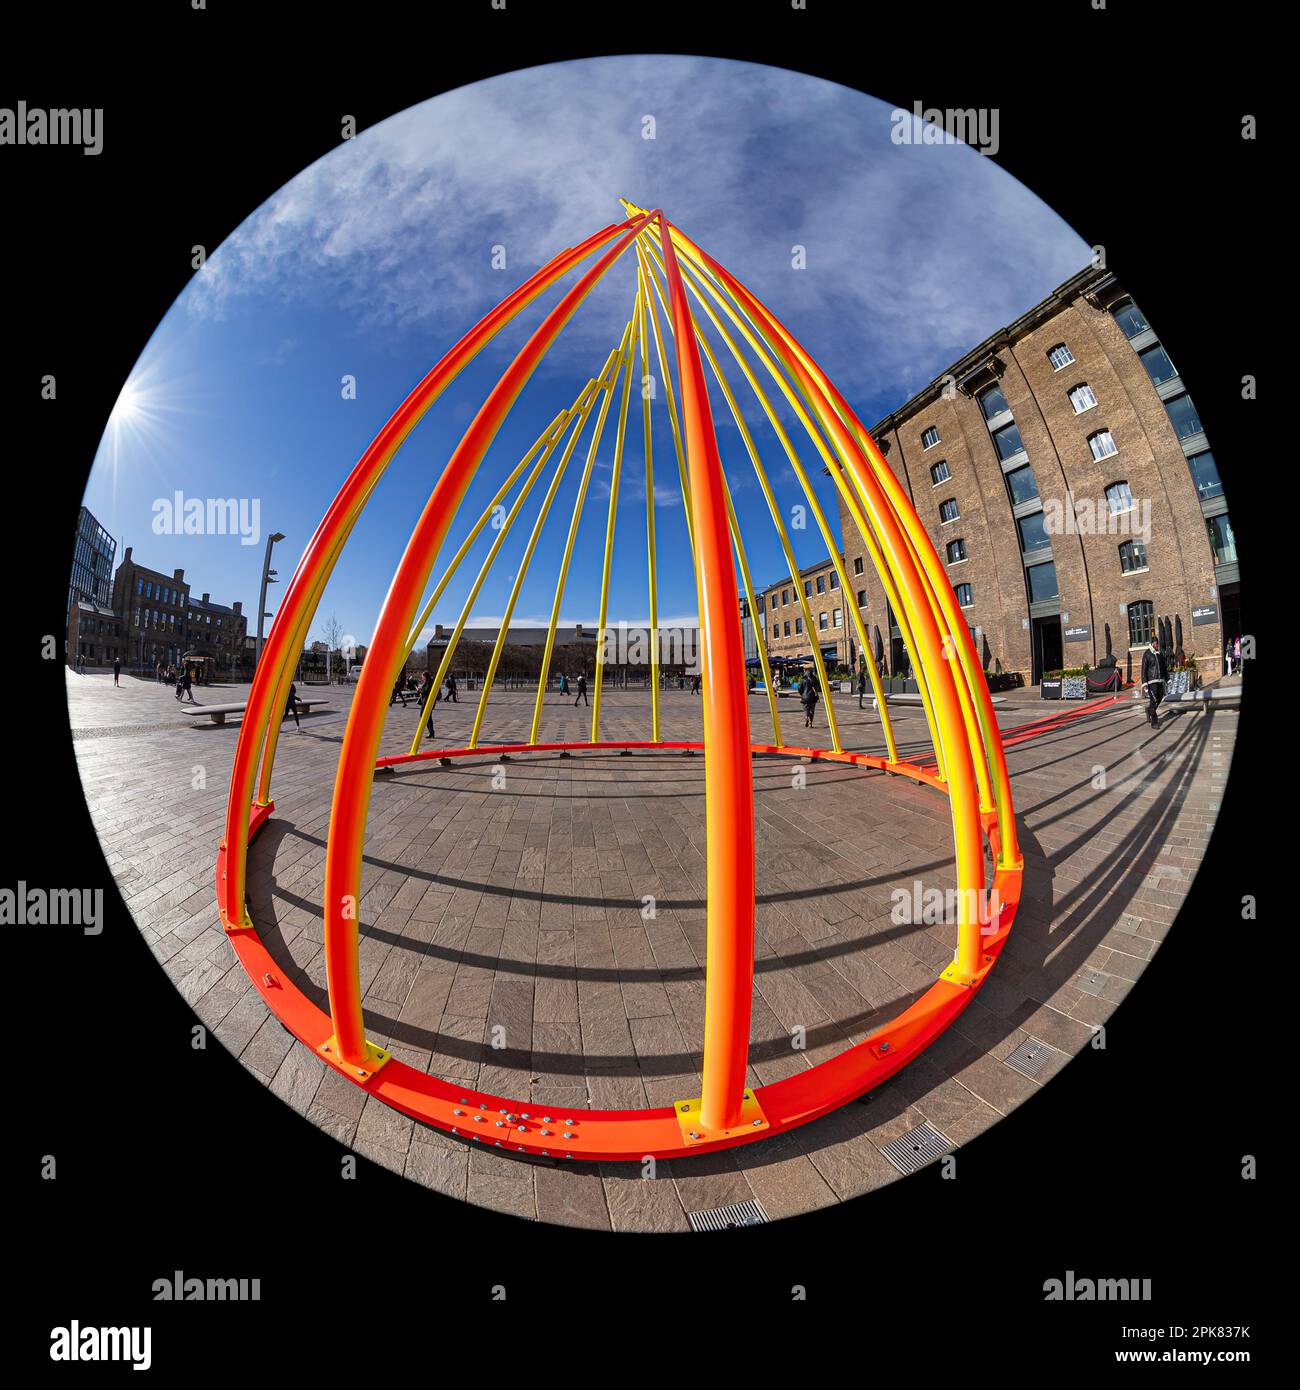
[694, 1132]
[375, 1058]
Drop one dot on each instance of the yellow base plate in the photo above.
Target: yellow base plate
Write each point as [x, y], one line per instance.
[375, 1058]
[752, 1121]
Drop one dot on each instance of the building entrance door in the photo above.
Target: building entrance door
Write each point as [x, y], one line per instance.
[1048, 647]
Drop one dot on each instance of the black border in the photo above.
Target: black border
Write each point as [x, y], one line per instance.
[1128, 1164]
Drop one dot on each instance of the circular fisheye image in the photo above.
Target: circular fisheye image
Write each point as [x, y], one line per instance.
[654, 642]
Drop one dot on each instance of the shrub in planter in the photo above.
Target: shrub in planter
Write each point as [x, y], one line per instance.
[1049, 688]
[1074, 683]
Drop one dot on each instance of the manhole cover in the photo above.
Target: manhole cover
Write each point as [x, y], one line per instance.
[734, 1214]
[916, 1148]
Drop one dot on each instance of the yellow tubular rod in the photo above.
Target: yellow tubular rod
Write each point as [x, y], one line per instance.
[775, 510]
[551, 438]
[454, 565]
[609, 540]
[608, 380]
[823, 525]
[649, 506]
[686, 500]
[671, 402]
[579, 424]
[851, 499]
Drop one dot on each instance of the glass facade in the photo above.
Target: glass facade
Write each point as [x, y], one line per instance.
[1033, 532]
[1183, 416]
[1007, 441]
[1156, 360]
[993, 402]
[1131, 319]
[1222, 541]
[1042, 582]
[1205, 474]
[1023, 485]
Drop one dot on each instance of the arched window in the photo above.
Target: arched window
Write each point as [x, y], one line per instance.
[1060, 356]
[1119, 498]
[948, 510]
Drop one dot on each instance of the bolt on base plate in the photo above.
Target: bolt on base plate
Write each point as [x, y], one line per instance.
[375, 1058]
[752, 1121]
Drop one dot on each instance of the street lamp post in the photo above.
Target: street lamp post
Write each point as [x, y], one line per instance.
[268, 577]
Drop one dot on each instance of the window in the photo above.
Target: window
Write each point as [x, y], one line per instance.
[1007, 441]
[939, 473]
[862, 598]
[798, 626]
[948, 510]
[835, 580]
[821, 583]
[1183, 416]
[785, 597]
[1205, 475]
[1222, 541]
[1060, 356]
[822, 621]
[1042, 582]
[1023, 485]
[1102, 444]
[787, 627]
[857, 565]
[1033, 532]
[807, 588]
[148, 589]
[1120, 498]
[1156, 360]
[930, 437]
[1130, 318]
[139, 586]
[1132, 556]
[1141, 622]
[837, 618]
[965, 597]
[993, 402]
[956, 552]
[1082, 398]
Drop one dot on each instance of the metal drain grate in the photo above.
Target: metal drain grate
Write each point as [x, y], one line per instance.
[1029, 1057]
[916, 1148]
[747, 1213]
[1090, 982]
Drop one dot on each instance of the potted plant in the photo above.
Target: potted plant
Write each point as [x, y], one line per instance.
[1074, 683]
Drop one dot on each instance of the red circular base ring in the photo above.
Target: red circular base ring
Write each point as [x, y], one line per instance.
[635, 1134]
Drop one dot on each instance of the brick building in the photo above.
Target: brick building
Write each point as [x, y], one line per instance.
[790, 609]
[151, 607]
[1063, 474]
[216, 631]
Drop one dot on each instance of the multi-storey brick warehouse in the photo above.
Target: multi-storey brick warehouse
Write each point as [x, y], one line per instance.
[816, 602]
[1063, 475]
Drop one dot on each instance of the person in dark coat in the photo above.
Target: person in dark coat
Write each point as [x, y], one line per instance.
[1153, 680]
[862, 685]
[117, 669]
[582, 689]
[291, 706]
[808, 698]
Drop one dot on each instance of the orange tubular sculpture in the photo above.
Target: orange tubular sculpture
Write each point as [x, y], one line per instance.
[969, 764]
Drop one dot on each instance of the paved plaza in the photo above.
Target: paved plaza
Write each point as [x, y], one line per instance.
[508, 942]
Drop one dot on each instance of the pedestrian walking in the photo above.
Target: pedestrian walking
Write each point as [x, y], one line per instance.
[582, 689]
[564, 684]
[1153, 680]
[397, 694]
[291, 707]
[695, 685]
[808, 698]
[451, 690]
[1236, 654]
[862, 685]
[422, 693]
[117, 669]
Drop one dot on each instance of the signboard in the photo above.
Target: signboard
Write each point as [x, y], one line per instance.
[1079, 634]
[1209, 614]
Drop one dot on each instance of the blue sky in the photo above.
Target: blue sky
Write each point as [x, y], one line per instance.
[374, 260]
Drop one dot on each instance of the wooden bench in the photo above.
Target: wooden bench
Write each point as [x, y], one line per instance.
[217, 713]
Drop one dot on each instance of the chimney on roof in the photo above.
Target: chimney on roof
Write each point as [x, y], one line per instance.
[239, 607]
[126, 556]
[206, 597]
[178, 576]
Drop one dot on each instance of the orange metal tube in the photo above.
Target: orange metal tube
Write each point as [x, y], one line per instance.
[306, 586]
[891, 527]
[369, 706]
[728, 771]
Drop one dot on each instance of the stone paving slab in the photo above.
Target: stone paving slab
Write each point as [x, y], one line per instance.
[545, 936]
